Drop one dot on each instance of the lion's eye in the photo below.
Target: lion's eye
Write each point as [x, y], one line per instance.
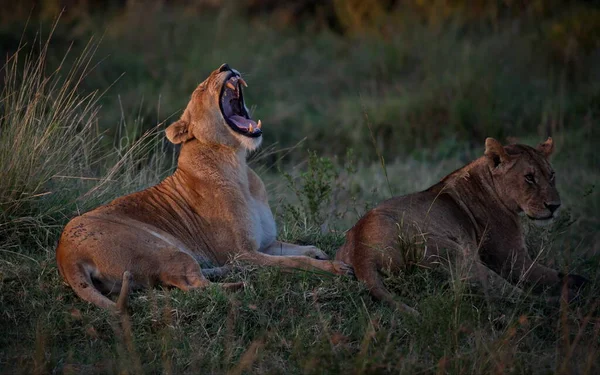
[529, 178]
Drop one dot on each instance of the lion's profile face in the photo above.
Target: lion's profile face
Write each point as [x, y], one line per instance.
[524, 178]
[217, 113]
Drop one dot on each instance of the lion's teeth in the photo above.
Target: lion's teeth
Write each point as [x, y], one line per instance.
[243, 82]
[250, 129]
[259, 124]
[230, 85]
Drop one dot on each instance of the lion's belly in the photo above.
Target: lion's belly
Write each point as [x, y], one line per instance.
[264, 230]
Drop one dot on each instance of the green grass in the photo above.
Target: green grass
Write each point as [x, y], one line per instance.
[312, 323]
[300, 322]
[424, 101]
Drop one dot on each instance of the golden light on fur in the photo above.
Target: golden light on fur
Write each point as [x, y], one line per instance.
[213, 208]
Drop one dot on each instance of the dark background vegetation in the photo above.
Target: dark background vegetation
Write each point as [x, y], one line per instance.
[388, 96]
[425, 72]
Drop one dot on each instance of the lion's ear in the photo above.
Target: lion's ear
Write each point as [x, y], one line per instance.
[178, 132]
[547, 147]
[495, 151]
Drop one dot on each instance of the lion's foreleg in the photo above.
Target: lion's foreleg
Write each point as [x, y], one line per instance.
[470, 267]
[279, 248]
[521, 269]
[295, 262]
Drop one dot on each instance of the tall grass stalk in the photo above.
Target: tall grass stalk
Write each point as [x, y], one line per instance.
[47, 128]
[52, 161]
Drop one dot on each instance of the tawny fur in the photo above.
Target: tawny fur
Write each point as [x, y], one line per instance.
[474, 212]
[212, 209]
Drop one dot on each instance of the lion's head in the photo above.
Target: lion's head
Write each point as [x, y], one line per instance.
[524, 178]
[217, 113]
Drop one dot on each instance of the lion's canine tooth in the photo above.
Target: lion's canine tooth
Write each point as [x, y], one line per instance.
[230, 85]
[250, 129]
[243, 82]
[258, 124]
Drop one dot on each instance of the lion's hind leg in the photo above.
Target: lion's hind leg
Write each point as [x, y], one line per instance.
[183, 272]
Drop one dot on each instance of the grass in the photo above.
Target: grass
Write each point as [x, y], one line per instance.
[41, 110]
[313, 323]
[65, 149]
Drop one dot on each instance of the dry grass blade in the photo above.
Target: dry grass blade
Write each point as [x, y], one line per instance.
[46, 126]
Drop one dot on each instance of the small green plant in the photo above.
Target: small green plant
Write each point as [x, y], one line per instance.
[313, 189]
[320, 191]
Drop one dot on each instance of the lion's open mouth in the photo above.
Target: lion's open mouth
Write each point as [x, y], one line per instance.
[233, 108]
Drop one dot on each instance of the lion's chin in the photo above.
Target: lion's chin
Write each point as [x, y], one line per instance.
[250, 144]
[541, 221]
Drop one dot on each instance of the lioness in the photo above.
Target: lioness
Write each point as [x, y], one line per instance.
[473, 211]
[212, 209]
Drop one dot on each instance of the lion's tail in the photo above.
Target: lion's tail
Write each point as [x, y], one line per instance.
[360, 257]
[371, 277]
[79, 278]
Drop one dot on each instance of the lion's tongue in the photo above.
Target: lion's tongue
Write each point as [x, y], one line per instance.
[242, 122]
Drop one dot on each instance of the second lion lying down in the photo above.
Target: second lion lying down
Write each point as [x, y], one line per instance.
[474, 212]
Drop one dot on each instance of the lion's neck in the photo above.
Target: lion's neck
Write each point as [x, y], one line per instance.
[205, 165]
[197, 157]
[473, 190]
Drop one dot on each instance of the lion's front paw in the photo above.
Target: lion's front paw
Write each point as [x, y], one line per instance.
[341, 268]
[315, 252]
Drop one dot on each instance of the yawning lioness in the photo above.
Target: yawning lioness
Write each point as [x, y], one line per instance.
[212, 209]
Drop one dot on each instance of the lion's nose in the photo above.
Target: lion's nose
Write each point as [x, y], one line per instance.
[552, 206]
[223, 68]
